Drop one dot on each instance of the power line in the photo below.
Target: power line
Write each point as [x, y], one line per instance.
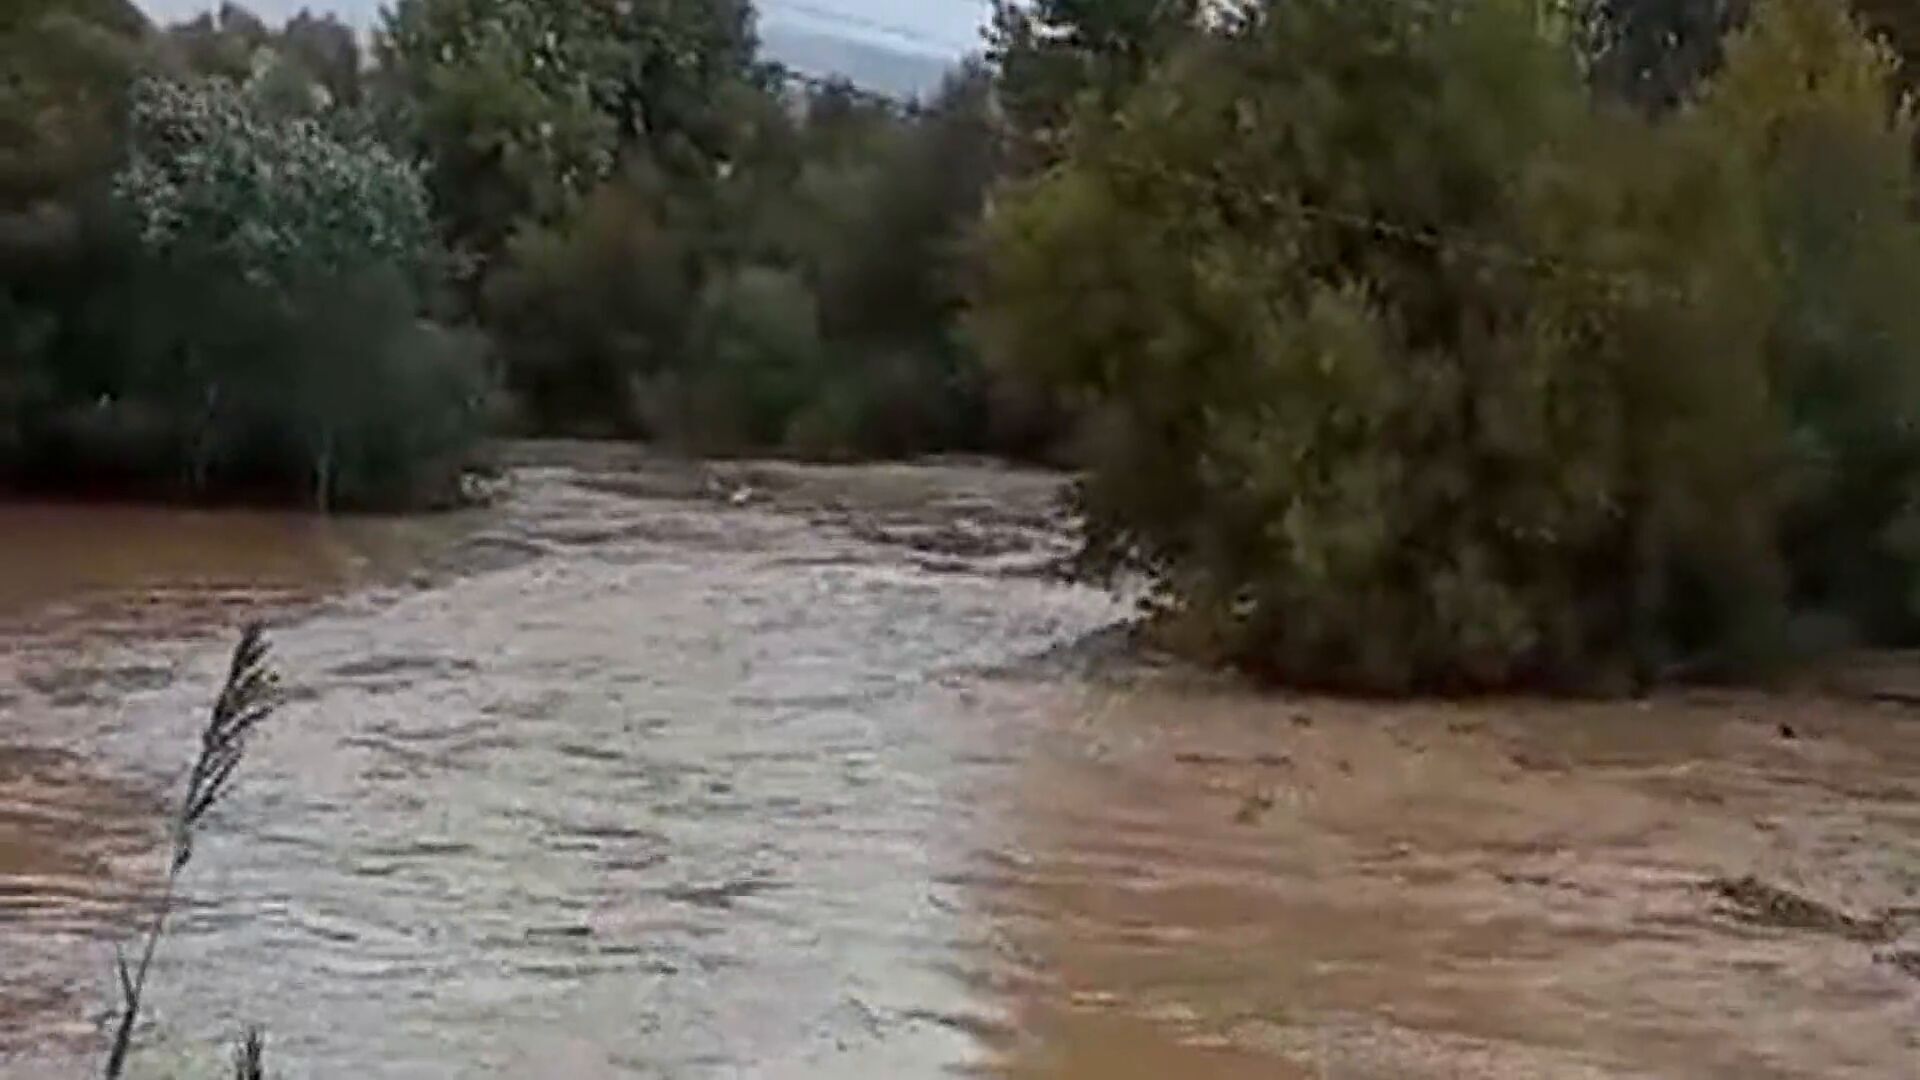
[848, 18]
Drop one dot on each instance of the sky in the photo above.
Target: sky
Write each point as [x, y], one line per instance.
[940, 27]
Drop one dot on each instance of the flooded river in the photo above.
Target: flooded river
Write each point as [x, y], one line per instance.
[659, 770]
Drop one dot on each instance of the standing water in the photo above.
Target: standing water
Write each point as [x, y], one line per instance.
[790, 772]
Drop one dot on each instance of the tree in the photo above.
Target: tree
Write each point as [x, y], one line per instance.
[210, 286]
[807, 296]
[1397, 366]
[68, 67]
[523, 106]
[1056, 57]
[68, 64]
[589, 308]
[214, 175]
[308, 256]
[756, 359]
[1803, 100]
[893, 272]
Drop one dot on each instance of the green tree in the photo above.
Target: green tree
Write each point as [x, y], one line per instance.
[214, 172]
[1451, 381]
[1803, 100]
[754, 361]
[299, 340]
[209, 288]
[1056, 57]
[63, 85]
[845, 220]
[587, 309]
[524, 106]
[888, 203]
[894, 270]
[67, 68]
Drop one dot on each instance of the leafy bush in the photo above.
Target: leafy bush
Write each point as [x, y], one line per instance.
[322, 248]
[1401, 364]
[754, 358]
[244, 317]
[588, 310]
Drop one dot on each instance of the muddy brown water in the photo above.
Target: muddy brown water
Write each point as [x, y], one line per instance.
[656, 770]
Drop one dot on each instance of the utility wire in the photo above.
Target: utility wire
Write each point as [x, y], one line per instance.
[861, 22]
[841, 83]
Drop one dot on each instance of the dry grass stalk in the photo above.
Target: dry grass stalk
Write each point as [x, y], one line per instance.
[250, 695]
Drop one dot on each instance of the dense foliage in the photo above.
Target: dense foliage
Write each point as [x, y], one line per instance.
[524, 106]
[320, 248]
[232, 301]
[654, 232]
[1454, 344]
[215, 172]
[804, 297]
[1654, 53]
[1067, 62]
[1402, 363]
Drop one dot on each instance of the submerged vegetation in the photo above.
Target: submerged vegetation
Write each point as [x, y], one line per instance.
[1445, 345]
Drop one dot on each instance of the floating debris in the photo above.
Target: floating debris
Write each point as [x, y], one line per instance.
[1754, 901]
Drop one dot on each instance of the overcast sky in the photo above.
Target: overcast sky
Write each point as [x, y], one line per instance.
[931, 26]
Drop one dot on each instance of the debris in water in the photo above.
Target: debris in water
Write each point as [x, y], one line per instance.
[1254, 808]
[1905, 960]
[1755, 901]
[722, 896]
